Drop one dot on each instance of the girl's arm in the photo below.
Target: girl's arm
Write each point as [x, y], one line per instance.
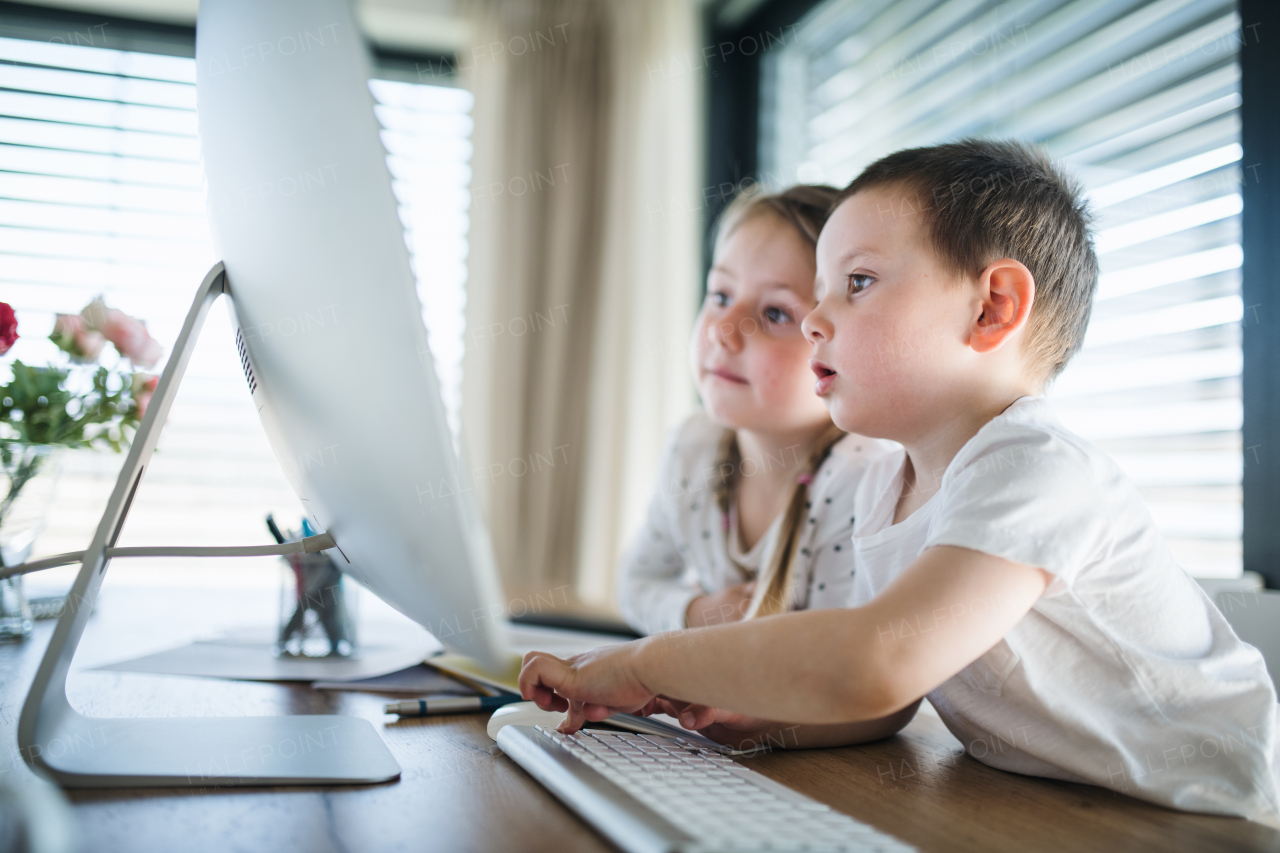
[651, 593]
[717, 608]
[815, 667]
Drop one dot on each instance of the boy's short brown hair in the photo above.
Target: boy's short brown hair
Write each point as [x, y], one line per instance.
[983, 200]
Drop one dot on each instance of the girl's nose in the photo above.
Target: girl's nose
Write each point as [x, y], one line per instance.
[727, 332]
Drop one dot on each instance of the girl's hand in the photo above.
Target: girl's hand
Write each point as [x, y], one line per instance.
[728, 605]
[591, 686]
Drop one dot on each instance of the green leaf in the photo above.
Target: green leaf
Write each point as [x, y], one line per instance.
[36, 408]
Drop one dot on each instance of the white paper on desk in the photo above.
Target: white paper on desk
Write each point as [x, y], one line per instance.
[251, 662]
[249, 655]
[419, 680]
[560, 642]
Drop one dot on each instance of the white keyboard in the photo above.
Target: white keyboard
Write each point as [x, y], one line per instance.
[653, 794]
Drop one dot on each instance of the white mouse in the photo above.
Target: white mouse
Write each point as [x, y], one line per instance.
[522, 714]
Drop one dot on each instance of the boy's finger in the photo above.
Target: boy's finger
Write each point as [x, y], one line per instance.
[537, 671]
[528, 678]
[697, 716]
[549, 701]
[573, 721]
[673, 707]
[540, 677]
[706, 717]
[596, 713]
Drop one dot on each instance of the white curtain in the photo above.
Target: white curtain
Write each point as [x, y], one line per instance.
[582, 275]
[640, 381]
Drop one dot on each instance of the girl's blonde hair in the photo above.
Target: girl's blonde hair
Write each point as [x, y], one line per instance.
[805, 207]
[774, 584]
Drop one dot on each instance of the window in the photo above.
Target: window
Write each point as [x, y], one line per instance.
[1141, 99]
[101, 193]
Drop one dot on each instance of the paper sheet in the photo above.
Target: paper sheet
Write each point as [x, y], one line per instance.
[248, 654]
[420, 680]
[523, 638]
[258, 662]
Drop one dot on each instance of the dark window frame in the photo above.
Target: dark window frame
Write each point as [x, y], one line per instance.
[733, 103]
[46, 23]
[83, 29]
[1260, 279]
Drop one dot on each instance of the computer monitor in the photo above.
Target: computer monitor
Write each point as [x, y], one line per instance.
[326, 313]
[334, 349]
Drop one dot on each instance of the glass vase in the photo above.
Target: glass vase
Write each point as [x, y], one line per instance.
[30, 473]
[317, 609]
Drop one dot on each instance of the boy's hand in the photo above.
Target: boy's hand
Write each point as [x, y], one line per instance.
[692, 716]
[728, 605]
[752, 733]
[727, 727]
[591, 686]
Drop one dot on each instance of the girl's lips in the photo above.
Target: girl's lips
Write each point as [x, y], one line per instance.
[726, 375]
[826, 377]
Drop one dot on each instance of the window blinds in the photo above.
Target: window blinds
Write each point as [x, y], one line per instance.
[1140, 98]
[101, 193]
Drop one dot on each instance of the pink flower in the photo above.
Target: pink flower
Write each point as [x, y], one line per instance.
[8, 327]
[83, 343]
[127, 334]
[143, 386]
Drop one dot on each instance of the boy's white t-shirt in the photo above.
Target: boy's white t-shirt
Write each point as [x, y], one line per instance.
[684, 549]
[1123, 674]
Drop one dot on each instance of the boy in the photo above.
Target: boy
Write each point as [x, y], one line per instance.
[1006, 568]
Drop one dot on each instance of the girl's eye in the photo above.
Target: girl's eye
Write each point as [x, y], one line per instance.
[718, 298]
[859, 282]
[777, 316]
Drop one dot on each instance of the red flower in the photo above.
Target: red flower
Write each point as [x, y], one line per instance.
[8, 327]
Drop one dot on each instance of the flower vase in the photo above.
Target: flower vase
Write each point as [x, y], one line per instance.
[31, 472]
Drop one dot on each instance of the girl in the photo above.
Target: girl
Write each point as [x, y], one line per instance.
[752, 513]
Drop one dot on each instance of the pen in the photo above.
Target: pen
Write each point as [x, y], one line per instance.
[275, 529]
[432, 705]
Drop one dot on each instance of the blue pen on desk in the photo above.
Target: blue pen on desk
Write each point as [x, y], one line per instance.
[432, 705]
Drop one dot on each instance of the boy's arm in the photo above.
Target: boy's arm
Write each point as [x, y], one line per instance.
[815, 667]
[742, 732]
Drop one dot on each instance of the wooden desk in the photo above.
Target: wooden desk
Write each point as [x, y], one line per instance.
[458, 792]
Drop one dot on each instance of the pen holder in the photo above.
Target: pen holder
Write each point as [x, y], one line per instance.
[317, 608]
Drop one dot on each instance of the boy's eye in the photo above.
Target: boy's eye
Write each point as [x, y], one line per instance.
[859, 282]
[778, 316]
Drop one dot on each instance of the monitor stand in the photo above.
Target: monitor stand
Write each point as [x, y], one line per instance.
[191, 752]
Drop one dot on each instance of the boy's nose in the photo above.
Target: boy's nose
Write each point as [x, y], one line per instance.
[815, 325]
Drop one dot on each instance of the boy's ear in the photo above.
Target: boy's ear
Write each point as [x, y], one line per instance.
[1007, 290]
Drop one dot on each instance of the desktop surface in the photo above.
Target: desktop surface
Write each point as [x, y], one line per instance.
[458, 792]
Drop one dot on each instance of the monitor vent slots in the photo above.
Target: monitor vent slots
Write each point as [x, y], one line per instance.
[244, 361]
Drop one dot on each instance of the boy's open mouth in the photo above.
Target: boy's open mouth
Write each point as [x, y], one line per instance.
[825, 375]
